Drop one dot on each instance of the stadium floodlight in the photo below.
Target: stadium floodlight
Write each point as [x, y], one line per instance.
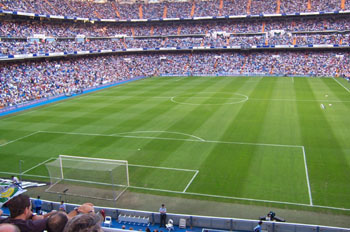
[88, 177]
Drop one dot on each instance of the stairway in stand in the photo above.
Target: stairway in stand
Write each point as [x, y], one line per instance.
[193, 9]
[221, 7]
[115, 9]
[278, 9]
[165, 12]
[140, 11]
[249, 4]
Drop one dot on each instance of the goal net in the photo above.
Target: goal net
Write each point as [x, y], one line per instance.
[88, 177]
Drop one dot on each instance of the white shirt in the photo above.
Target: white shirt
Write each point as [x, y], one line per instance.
[162, 210]
[15, 180]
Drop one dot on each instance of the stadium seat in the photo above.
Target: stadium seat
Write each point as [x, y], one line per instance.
[182, 223]
[170, 225]
[108, 221]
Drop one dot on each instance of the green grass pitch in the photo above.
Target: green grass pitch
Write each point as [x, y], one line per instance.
[246, 139]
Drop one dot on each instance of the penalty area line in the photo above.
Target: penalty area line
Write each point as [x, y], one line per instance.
[37, 165]
[23, 137]
[307, 176]
[194, 176]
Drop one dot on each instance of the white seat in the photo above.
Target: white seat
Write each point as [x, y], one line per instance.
[170, 225]
[182, 223]
[108, 221]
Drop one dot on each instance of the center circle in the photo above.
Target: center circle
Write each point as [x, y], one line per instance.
[210, 98]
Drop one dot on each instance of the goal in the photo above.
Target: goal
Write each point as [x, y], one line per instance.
[88, 177]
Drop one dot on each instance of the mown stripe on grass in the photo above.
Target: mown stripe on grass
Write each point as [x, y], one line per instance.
[328, 167]
[246, 125]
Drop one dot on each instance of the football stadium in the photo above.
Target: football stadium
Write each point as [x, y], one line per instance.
[234, 114]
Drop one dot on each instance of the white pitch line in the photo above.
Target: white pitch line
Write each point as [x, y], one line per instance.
[4, 144]
[16, 174]
[199, 194]
[32, 110]
[194, 176]
[168, 132]
[307, 176]
[223, 197]
[293, 80]
[173, 139]
[294, 100]
[103, 161]
[158, 190]
[37, 165]
[341, 85]
[165, 168]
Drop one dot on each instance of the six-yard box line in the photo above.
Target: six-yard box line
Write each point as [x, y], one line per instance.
[196, 171]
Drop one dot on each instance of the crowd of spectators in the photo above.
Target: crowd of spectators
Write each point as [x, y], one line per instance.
[22, 82]
[184, 9]
[297, 31]
[26, 81]
[23, 47]
[82, 218]
[29, 28]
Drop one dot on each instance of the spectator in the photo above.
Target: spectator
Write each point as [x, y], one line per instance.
[57, 222]
[162, 211]
[16, 182]
[22, 216]
[38, 203]
[258, 227]
[62, 207]
[85, 208]
[84, 223]
[5, 227]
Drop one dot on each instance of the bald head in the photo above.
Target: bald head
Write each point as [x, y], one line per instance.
[8, 228]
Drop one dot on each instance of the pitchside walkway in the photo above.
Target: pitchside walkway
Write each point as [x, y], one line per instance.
[194, 223]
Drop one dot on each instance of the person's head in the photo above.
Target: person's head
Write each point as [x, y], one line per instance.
[163, 205]
[57, 222]
[5, 227]
[38, 197]
[84, 223]
[260, 222]
[62, 202]
[20, 206]
[123, 227]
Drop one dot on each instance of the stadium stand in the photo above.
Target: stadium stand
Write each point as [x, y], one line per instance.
[26, 81]
[18, 37]
[164, 9]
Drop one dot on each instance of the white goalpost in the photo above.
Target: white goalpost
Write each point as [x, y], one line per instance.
[88, 177]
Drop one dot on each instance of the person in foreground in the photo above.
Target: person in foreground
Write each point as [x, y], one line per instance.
[84, 223]
[21, 215]
[5, 227]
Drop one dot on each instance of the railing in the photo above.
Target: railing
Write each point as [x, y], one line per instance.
[215, 223]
